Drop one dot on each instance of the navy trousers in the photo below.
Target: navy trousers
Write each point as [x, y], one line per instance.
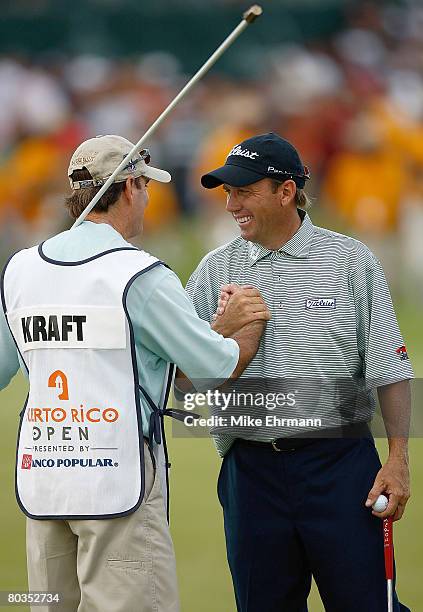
[292, 515]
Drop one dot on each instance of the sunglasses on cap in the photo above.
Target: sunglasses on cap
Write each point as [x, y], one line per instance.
[144, 155]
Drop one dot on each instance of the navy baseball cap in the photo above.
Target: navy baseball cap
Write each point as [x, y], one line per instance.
[259, 157]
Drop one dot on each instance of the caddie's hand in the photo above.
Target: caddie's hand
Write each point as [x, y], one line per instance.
[393, 480]
[244, 306]
[226, 291]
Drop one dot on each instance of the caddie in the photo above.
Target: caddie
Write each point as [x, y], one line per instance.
[297, 501]
[97, 324]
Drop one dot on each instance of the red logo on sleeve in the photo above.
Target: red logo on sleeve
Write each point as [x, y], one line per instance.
[402, 352]
[26, 462]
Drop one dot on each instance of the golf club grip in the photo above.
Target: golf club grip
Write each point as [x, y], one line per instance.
[388, 547]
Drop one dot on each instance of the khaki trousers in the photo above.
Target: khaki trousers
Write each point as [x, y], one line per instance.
[113, 565]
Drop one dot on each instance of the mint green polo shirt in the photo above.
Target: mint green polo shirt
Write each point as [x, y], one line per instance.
[166, 325]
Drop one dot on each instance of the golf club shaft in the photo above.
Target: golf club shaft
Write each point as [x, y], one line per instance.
[390, 596]
[388, 550]
[198, 75]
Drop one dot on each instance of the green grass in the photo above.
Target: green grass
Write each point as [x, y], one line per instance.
[196, 517]
[196, 522]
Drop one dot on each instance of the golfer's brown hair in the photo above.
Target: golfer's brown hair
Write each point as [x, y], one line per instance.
[302, 200]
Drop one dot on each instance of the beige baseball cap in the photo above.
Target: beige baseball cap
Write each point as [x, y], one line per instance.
[103, 154]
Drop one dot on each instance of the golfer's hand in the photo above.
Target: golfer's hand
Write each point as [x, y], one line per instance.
[393, 480]
[244, 306]
[226, 291]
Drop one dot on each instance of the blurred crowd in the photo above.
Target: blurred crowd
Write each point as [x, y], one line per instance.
[352, 105]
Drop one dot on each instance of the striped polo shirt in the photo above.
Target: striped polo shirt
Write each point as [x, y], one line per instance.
[332, 322]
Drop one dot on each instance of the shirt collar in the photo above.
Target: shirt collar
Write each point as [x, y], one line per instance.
[297, 246]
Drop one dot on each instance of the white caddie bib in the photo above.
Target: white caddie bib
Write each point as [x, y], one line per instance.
[80, 446]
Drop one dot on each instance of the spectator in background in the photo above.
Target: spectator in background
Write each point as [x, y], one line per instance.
[353, 103]
[365, 181]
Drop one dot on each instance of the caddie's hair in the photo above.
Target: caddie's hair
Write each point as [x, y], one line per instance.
[302, 200]
[79, 199]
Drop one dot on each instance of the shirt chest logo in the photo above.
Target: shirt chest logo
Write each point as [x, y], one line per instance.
[321, 303]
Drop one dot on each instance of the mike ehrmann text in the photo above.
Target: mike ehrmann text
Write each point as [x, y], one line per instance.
[248, 421]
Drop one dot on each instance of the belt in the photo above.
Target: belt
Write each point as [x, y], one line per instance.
[357, 430]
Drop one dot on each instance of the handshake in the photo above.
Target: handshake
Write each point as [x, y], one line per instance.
[239, 306]
[242, 315]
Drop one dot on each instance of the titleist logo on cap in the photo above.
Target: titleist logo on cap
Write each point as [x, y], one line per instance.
[238, 150]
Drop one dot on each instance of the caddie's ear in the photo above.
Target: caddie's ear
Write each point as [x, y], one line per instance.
[130, 188]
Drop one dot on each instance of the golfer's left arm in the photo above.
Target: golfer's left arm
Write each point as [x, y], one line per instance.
[387, 368]
[393, 478]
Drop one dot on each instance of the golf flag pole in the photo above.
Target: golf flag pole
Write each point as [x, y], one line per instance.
[248, 17]
[388, 549]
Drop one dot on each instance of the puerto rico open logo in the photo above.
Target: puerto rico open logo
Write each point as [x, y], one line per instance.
[59, 381]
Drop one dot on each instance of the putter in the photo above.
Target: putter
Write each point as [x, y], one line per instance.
[248, 17]
[388, 549]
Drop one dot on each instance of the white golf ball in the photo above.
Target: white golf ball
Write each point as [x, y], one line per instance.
[380, 504]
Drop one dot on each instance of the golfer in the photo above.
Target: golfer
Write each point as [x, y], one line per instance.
[96, 323]
[297, 503]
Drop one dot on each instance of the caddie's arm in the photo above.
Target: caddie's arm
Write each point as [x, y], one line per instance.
[9, 362]
[167, 325]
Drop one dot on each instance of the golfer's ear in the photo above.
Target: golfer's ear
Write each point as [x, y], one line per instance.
[287, 192]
